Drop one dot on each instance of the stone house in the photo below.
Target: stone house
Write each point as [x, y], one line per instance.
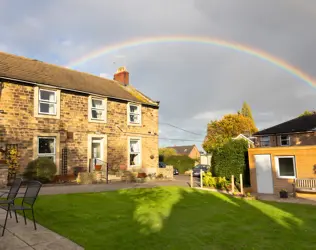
[73, 117]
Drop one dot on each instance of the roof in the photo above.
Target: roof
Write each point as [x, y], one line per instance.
[241, 136]
[19, 68]
[300, 124]
[183, 150]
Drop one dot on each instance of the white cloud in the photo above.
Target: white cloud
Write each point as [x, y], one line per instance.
[212, 115]
[66, 43]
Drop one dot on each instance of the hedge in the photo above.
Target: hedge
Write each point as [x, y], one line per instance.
[181, 162]
[232, 159]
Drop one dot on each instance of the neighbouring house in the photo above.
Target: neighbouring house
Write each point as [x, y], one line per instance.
[249, 139]
[300, 131]
[206, 159]
[283, 154]
[190, 151]
[73, 117]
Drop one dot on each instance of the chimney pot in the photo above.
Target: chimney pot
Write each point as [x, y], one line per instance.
[122, 76]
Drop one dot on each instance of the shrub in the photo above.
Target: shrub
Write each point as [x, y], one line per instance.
[41, 169]
[181, 162]
[209, 180]
[231, 159]
[215, 182]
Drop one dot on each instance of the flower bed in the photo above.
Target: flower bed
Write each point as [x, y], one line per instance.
[246, 196]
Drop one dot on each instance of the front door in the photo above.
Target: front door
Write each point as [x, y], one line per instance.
[97, 152]
[264, 174]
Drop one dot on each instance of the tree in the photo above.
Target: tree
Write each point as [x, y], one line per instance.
[166, 152]
[220, 131]
[246, 111]
[307, 112]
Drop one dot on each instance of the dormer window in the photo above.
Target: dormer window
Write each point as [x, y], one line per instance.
[47, 102]
[134, 114]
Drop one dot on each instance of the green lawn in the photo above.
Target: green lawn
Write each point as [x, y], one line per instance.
[176, 218]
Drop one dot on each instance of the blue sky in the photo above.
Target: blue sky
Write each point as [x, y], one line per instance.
[194, 83]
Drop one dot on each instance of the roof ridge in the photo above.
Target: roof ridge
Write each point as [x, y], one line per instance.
[58, 66]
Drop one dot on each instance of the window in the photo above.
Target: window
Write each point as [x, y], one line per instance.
[97, 109]
[134, 114]
[285, 166]
[134, 152]
[265, 141]
[285, 140]
[47, 102]
[47, 147]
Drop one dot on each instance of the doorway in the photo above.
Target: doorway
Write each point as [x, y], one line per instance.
[264, 174]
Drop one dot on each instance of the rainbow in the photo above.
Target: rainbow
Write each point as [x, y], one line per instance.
[196, 40]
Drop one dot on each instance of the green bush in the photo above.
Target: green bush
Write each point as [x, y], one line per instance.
[231, 159]
[181, 162]
[216, 182]
[41, 169]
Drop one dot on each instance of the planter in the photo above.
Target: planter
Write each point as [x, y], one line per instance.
[284, 194]
[142, 175]
[98, 167]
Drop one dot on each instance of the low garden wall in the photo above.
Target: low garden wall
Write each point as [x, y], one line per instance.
[166, 172]
[3, 175]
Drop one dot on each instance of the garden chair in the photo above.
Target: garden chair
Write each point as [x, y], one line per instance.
[28, 200]
[12, 193]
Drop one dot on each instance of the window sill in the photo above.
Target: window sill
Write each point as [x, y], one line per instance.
[134, 124]
[134, 167]
[47, 116]
[287, 177]
[97, 121]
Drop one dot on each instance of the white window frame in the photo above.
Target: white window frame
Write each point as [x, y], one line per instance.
[287, 140]
[139, 107]
[40, 101]
[46, 154]
[140, 151]
[277, 166]
[98, 109]
[261, 140]
[90, 108]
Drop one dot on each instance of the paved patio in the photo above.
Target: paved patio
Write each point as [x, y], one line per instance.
[19, 236]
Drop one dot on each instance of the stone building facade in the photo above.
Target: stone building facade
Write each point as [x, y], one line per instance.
[73, 127]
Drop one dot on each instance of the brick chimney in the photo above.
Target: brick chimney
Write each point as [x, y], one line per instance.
[122, 76]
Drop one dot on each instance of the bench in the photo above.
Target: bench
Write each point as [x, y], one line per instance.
[305, 185]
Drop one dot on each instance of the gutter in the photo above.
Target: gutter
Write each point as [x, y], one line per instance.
[287, 133]
[74, 90]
